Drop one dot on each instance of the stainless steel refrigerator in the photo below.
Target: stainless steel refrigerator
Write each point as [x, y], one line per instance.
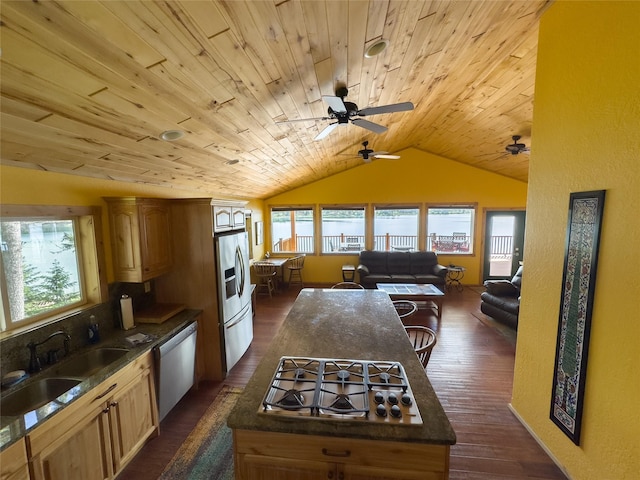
[234, 295]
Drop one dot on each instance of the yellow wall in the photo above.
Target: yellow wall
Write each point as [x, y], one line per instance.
[418, 177]
[33, 187]
[586, 137]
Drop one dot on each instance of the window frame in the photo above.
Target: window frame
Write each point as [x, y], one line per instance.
[352, 207]
[399, 206]
[290, 208]
[471, 237]
[91, 261]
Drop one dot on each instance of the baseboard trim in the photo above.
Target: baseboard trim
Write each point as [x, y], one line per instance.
[540, 442]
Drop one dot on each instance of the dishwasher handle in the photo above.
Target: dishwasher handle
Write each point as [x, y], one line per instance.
[174, 341]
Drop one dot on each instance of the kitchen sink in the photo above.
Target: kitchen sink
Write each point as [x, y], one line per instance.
[36, 394]
[90, 362]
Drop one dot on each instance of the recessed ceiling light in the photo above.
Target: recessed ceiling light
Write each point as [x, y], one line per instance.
[171, 135]
[376, 48]
[232, 162]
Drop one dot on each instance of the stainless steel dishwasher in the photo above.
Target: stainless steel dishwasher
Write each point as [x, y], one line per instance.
[175, 368]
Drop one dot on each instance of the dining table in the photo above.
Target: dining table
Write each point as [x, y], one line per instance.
[278, 263]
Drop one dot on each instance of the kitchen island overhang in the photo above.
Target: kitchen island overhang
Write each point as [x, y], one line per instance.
[342, 324]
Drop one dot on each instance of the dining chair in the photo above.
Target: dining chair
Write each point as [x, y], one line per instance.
[265, 274]
[423, 340]
[405, 309]
[295, 266]
[347, 286]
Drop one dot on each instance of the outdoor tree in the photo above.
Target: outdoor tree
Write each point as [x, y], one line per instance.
[56, 283]
[12, 262]
[34, 296]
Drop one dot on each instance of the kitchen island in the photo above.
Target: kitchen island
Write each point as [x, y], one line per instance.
[340, 324]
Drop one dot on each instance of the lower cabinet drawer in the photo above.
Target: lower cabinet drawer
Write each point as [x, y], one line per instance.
[347, 452]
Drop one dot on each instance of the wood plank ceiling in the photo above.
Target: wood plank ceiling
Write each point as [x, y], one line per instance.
[88, 86]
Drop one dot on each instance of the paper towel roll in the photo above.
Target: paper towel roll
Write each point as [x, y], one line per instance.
[126, 307]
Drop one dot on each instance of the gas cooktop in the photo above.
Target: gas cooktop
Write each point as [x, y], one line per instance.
[341, 389]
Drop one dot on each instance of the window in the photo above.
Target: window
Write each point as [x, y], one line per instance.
[292, 230]
[343, 229]
[49, 264]
[450, 229]
[396, 228]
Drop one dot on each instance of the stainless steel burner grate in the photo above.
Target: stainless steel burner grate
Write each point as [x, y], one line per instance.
[341, 390]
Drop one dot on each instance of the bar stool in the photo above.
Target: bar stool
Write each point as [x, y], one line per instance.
[265, 274]
[347, 286]
[295, 266]
[423, 340]
[405, 309]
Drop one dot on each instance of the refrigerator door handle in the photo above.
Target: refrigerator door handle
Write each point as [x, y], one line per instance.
[240, 318]
[240, 268]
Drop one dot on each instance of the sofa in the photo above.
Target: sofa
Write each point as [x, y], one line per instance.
[501, 300]
[400, 267]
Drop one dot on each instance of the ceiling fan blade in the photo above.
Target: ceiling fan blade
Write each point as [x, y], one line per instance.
[327, 130]
[374, 127]
[304, 120]
[396, 107]
[388, 157]
[336, 103]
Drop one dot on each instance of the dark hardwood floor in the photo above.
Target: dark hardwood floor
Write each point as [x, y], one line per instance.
[471, 370]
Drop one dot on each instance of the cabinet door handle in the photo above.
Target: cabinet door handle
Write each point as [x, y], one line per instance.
[105, 410]
[336, 453]
[106, 392]
[113, 404]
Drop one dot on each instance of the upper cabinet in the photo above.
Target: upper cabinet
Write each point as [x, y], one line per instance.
[140, 238]
[227, 215]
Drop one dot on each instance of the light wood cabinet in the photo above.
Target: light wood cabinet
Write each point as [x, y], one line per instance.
[95, 437]
[140, 238]
[264, 455]
[193, 279]
[227, 215]
[131, 418]
[13, 462]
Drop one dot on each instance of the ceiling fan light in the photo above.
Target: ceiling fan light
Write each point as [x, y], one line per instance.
[171, 135]
[376, 48]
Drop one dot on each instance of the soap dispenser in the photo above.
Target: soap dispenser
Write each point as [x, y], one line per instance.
[94, 332]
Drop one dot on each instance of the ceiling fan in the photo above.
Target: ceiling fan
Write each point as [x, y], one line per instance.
[367, 154]
[341, 112]
[515, 148]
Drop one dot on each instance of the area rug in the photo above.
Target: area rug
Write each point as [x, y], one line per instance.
[207, 453]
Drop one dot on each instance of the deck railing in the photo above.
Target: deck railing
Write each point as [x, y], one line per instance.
[501, 245]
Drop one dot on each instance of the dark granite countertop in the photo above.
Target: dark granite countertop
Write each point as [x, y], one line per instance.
[343, 324]
[13, 428]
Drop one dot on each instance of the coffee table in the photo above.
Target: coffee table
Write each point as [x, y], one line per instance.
[420, 292]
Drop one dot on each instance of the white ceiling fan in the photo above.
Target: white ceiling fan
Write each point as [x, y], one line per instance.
[367, 154]
[341, 112]
[516, 148]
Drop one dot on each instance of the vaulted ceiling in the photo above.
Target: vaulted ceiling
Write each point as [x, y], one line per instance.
[89, 86]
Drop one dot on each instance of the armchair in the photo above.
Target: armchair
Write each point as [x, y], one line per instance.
[501, 300]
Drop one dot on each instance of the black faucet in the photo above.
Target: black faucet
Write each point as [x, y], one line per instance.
[34, 361]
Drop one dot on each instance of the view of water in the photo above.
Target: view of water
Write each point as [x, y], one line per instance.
[439, 224]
